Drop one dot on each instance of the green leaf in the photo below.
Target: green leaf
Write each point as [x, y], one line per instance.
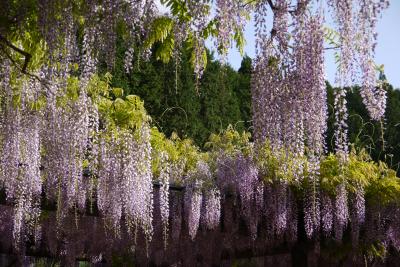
[160, 29]
[118, 92]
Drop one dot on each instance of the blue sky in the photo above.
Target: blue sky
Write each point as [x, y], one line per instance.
[387, 51]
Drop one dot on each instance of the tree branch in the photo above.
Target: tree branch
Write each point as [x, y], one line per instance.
[22, 52]
[332, 47]
[273, 7]
[301, 6]
[24, 71]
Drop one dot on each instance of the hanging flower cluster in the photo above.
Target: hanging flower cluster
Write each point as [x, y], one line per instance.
[59, 112]
[309, 82]
[164, 179]
[357, 209]
[374, 97]
[231, 21]
[341, 212]
[138, 15]
[20, 160]
[199, 10]
[344, 17]
[193, 201]
[109, 192]
[352, 17]
[201, 207]
[250, 191]
[312, 205]
[64, 139]
[265, 83]
[212, 209]
[125, 181]
[288, 88]
[327, 213]
[291, 75]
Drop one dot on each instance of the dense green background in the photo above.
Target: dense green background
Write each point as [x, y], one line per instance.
[223, 98]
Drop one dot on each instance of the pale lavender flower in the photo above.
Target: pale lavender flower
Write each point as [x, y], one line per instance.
[211, 208]
[193, 200]
[164, 178]
[341, 217]
[327, 214]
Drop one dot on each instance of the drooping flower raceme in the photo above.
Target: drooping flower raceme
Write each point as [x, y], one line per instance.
[198, 9]
[344, 17]
[125, 181]
[288, 88]
[109, 191]
[164, 178]
[193, 201]
[231, 17]
[138, 182]
[211, 212]
[374, 97]
[341, 211]
[21, 160]
[357, 213]
[65, 138]
[309, 83]
[312, 205]
[250, 191]
[327, 213]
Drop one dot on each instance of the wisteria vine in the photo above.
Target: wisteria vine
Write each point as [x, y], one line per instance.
[70, 139]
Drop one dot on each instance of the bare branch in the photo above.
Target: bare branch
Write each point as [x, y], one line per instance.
[273, 7]
[332, 47]
[24, 71]
[22, 52]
